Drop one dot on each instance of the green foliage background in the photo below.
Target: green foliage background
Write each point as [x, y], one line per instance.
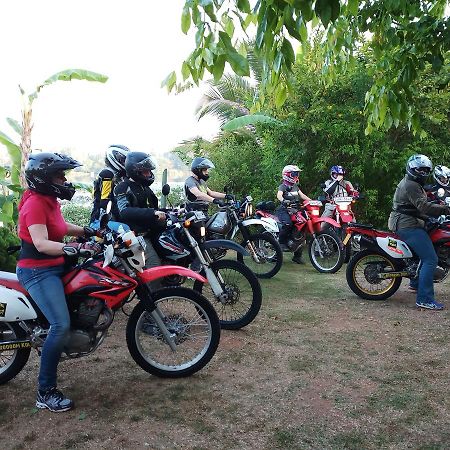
[7, 238]
[323, 125]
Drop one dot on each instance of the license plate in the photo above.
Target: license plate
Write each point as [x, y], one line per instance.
[347, 238]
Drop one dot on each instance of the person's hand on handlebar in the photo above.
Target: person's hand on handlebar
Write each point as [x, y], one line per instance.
[161, 215]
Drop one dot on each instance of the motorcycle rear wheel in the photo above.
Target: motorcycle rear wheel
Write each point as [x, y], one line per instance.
[245, 294]
[362, 278]
[268, 251]
[188, 316]
[333, 251]
[12, 361]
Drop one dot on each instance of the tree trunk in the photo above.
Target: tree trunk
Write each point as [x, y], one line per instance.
[25, 143]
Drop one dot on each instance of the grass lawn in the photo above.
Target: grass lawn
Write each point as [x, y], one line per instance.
[318, 369]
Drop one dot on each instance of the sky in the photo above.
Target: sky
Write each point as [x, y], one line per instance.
[136, 43]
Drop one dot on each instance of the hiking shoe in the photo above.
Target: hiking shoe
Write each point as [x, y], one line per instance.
[298, 260]
[430, 305]
[53, 400]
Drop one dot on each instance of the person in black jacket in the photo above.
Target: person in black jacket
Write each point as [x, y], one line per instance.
[136, 203]
[107, 179]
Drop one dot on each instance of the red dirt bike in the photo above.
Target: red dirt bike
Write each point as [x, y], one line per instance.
[325, 248]
[171, 332]
[344, 216]
[376, 272]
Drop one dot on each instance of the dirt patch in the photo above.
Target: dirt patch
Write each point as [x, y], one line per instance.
[319, 368]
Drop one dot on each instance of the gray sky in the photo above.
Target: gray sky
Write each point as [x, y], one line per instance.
[135, 42]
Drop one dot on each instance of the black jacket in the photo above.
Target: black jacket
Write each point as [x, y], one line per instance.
[136, 205]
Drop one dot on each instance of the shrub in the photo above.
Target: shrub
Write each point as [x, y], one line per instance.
[7, 239]
[76, 214]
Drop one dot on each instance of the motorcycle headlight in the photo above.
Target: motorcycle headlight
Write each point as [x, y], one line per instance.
[315, 212]
[202, 231]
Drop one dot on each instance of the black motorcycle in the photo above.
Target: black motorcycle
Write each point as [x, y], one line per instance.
[233, 288]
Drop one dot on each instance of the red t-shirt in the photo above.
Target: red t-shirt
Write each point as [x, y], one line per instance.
[39, 209]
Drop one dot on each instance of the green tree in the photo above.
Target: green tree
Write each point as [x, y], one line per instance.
[404, 36]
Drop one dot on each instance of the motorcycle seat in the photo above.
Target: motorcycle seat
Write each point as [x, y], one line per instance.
[266, 206]
[9, 280]
[369, 226]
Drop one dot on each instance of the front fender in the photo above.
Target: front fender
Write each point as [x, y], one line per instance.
[223, 243]
[332, 222]
[163, 271]
[268, 223]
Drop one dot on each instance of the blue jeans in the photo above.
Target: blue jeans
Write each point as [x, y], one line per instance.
[420, 242]
[46, 288]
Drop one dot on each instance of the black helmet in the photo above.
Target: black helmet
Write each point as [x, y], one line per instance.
[41, 169]
[198, 164]
[115, 158]
[136, 164]
[418, 168]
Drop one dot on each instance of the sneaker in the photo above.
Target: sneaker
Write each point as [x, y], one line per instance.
[53, 400]
[430, 305]
[298, 260]
[412, 288]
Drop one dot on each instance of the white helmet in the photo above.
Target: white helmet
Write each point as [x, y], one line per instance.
[442, 175]
[115, 158]
[419, 167]
[291, 174]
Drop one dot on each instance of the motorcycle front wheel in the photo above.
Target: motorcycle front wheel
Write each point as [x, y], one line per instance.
[266, 256]
[12, 361]
[189, 318]
[326, 252]
[362, 276]
[242, 290]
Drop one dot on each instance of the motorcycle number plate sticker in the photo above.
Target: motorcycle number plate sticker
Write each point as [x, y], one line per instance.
[2, 309]
[347, 238]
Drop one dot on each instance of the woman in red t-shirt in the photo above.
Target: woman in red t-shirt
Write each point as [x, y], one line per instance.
[41, 261]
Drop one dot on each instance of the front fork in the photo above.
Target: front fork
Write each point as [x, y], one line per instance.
[248, 242]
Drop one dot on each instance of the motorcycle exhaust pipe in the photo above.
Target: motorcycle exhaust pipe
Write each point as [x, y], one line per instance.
[364, 241]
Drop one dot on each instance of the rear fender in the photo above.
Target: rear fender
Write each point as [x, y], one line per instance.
[223, 243]
[14, 306]
[155, 273]
[267, 222]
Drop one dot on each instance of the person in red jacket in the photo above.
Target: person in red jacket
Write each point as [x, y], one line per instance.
[41, 261]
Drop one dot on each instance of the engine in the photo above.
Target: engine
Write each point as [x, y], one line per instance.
[89, 318]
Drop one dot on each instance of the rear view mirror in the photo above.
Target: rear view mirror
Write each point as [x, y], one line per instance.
[226, 189]
[166, 190]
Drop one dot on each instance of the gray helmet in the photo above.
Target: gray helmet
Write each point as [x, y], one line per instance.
[419, 168]
[442, 175]
[198, 164]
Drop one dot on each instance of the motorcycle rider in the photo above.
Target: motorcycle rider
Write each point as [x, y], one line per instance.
[198, 195]
[41, 261]
[289, 190]
[107, 178]
[410, 208]
[335, 187]
[441, 175]
[137, 204]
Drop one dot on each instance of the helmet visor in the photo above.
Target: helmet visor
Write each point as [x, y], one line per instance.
[423, 171]
[146, 164]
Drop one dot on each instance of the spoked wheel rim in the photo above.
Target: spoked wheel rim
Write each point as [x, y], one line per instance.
[263, 256]
[7, 357]
[365, 275]
[239, 295]
[184, 318]
[331, 252]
